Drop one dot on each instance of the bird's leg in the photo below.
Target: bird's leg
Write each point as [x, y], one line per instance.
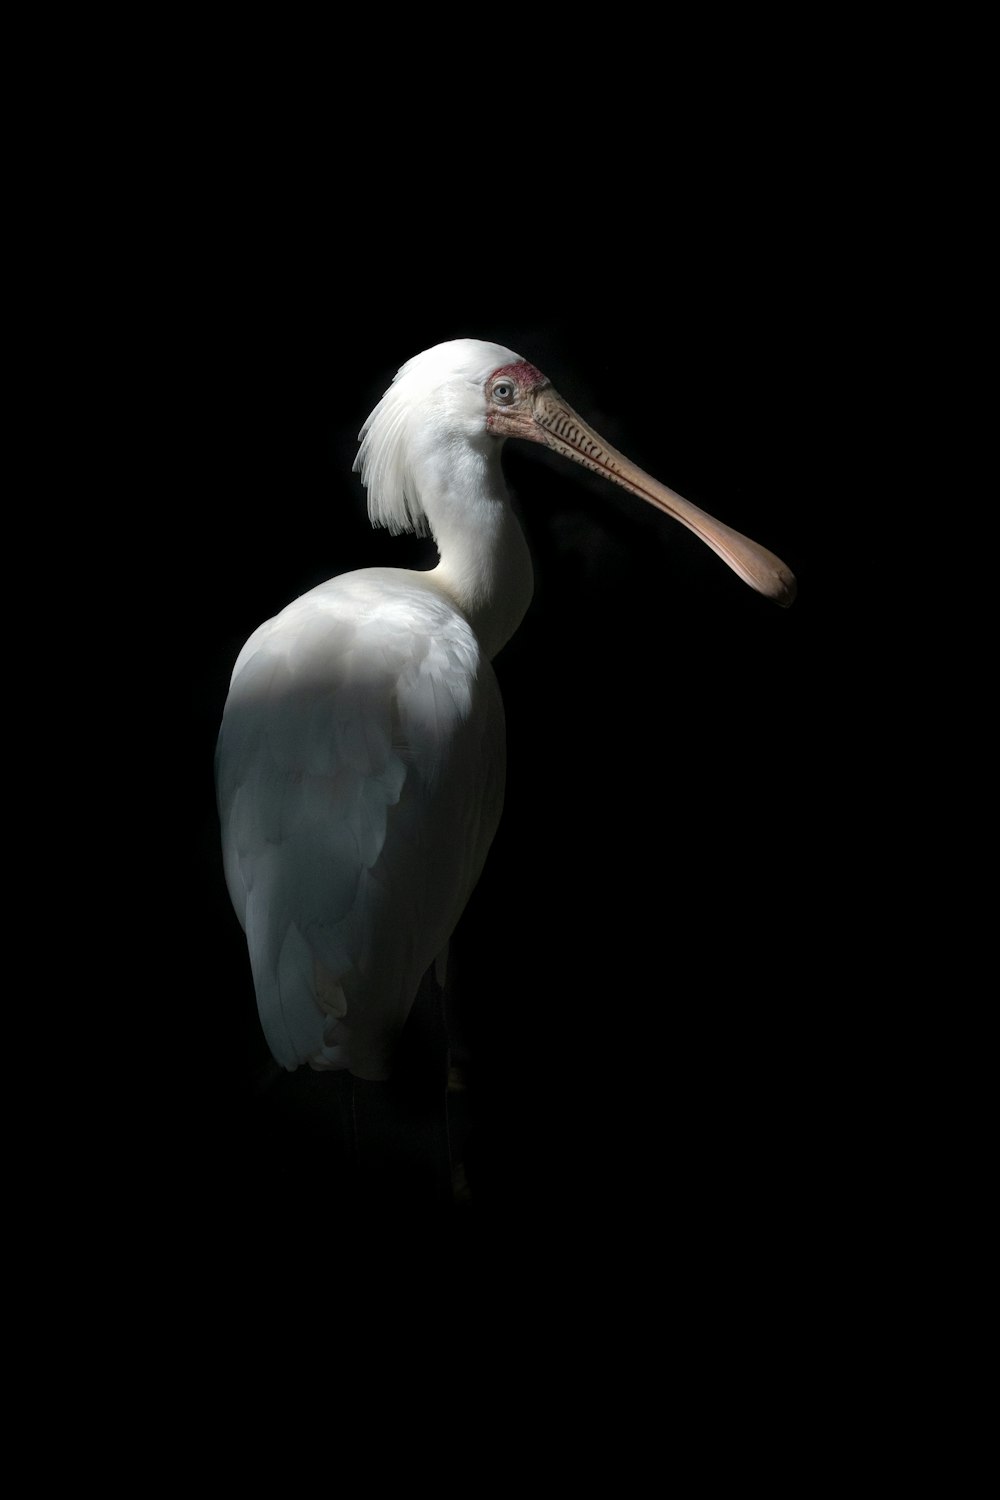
[398, 1127]
[455, 991]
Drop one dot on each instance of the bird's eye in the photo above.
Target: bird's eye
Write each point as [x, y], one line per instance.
[503, 391]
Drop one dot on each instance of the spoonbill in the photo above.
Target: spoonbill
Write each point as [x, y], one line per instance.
[361, 758]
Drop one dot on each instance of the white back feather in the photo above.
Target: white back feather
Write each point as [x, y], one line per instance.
[430, 386]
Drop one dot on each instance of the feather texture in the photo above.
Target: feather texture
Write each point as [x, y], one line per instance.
[360, 779]
[437, 384]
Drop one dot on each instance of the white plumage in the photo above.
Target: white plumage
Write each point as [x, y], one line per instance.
[360, 765]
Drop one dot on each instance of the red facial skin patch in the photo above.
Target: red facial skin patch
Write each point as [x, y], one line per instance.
[522, 373]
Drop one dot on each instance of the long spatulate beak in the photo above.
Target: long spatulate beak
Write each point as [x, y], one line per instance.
[543, 416]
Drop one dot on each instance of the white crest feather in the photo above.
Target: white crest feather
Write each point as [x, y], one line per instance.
[420, 389]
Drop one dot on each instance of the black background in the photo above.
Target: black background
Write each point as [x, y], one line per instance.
[643, 981]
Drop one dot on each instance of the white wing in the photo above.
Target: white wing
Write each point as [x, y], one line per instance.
[360, 774]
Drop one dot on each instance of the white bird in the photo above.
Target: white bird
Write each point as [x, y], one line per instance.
[361, 760]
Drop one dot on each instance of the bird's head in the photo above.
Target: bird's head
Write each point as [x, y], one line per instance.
[436, 402]
[467, 391]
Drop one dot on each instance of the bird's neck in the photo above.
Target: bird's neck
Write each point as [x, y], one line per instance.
[485, 565]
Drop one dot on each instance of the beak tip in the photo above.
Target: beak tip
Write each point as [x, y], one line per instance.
[781, 587]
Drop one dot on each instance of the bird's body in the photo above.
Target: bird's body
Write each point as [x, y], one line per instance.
[361, 778]
[361, 758]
